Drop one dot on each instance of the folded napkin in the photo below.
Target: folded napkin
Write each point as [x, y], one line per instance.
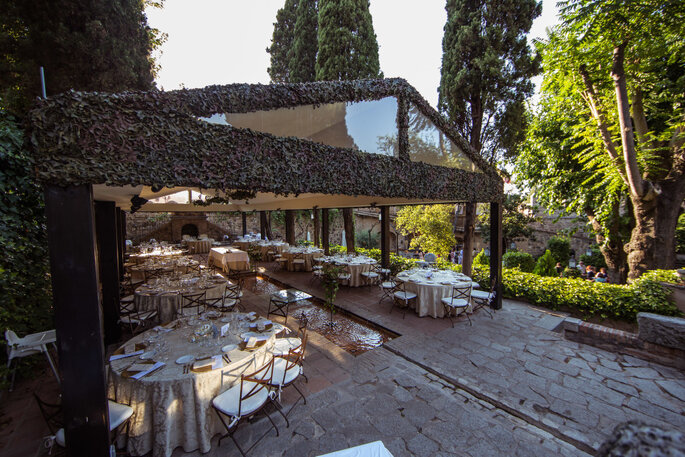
[161, 329]
[215, 362]
[123, 356]
[154, 367]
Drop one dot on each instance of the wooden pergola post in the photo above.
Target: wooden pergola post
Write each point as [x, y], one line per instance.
[108, 260]
[325, 234]
[262, 224]
[317, 228]
[385, 237]
[244, 217]
[290, 226]
[121, 240]
[78, 319]
[496, 252]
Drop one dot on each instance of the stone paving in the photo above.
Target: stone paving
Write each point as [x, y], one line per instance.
[504, 386]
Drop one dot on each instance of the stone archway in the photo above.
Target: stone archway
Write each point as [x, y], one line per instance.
[190, 229]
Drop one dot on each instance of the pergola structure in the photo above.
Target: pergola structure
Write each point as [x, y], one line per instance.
[366, 143]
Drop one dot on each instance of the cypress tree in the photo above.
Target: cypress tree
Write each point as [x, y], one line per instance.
[347, 43]
[282, 42]
[104, 45]
[305, 45]
[485, 80]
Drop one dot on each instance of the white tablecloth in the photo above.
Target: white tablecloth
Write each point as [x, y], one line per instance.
[173, 409]
[356, 266]
[228, 257]
[308, 254]
[375, 449]
[430, 291]
[168, 300]
[199, 246]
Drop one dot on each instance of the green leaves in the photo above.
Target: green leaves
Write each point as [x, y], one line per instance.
[429, 226]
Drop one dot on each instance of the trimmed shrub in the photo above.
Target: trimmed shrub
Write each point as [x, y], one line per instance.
[560, 247]
[482, 259]
[521, 260]
[545, 265]
[570, 273]
[669, 276]
[596, 259]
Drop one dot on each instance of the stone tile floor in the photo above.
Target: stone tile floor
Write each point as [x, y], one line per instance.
[504, 386]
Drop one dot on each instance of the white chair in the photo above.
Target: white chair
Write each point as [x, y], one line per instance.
[481, 299]
[244, 400]
[287, 368]
[458, 302]
[298, 262]
[401, 298]
[430, 258]
[29, 345]
[372, 276]
[119, 414]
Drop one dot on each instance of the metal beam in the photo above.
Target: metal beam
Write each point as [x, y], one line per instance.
[78, 319]
[108, 262]
[496, 252]
[385, 236]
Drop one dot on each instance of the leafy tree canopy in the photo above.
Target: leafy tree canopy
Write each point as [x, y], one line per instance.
[517, 219]
[430, 227]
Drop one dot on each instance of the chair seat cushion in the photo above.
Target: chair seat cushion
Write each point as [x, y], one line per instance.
[59, 438]
[455, 303]
[388, 285]
[229, 401]
[283, 345]
[278, 378]
[480, 294]
[137, 318]
[317, 267]
[369, 274]
[402, 295]
[118, 414]
[384, 271]
[344, 277]
[228, 303]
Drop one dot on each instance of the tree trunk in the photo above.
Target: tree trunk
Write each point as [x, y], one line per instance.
[652, 243]
[611, 245]
[290, 226]
[469, 225]
[348, 220]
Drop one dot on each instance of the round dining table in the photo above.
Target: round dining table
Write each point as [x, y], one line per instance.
[179, 265]
[430, 287]
[165, 295]
[199, 246]
[169, 376]
[307, 253]
[355, 265]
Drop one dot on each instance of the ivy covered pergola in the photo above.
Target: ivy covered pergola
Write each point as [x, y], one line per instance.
[365, 143]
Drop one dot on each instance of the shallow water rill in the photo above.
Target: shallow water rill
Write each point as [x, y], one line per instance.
[351, 333]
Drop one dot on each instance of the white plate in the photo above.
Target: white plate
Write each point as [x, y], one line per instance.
[229, 347]
[185, 359]
[147, 355]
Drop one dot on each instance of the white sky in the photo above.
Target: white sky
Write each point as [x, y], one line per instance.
[224, 41]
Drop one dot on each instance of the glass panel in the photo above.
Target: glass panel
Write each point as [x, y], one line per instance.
[428, 144]
[368, 126]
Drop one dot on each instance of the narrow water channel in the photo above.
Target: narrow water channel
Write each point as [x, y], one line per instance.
[351, 333]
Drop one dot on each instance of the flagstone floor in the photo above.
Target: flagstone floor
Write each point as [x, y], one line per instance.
[509, 385]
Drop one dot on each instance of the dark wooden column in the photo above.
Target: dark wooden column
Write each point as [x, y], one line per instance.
[262, 224]
[244, 216]
[496, 252]
[121, 241]
[290, 226]
[108, 262]
[78, 319]
[325, 232]
[317, 228]
[385, 236]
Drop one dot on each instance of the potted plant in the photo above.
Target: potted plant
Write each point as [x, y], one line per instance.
[331, 284]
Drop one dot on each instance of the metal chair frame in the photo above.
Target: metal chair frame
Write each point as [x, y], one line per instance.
[389, 292]
[458, 293]
[405, 301]
[294, 358]
[195, 300]
[262, 378]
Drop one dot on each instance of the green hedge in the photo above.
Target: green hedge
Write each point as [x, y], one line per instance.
[589, 298]
[518, 259]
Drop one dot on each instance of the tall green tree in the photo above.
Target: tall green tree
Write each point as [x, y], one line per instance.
[622, 63]
[347, 43]
[517, 219]
[101, 45]
[302, 64]
[347, 50]
[430, 227]
[281, 48]
[486, 70]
